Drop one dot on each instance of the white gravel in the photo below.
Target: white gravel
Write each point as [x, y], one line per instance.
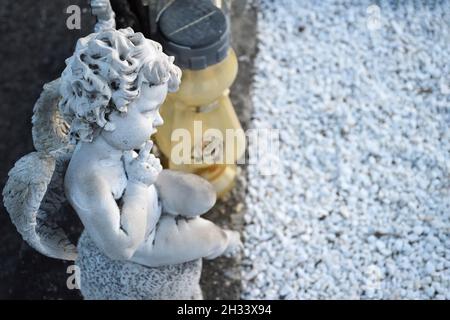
[361, 205]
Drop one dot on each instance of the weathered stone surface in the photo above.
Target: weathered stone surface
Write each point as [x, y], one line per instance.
[103, 278]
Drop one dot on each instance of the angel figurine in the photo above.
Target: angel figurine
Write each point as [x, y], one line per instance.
[86, 126]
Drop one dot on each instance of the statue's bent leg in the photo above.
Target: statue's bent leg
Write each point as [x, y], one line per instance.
[179, 240]
[167, 268]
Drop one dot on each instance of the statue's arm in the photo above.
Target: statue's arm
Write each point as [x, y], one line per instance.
[117, 231]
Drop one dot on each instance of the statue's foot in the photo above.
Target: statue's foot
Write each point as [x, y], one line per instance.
[229, 245]
[234, 245]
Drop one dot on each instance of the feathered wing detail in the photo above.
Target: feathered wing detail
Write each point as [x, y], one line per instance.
[32, 196]
[50, 130]
[34, 193]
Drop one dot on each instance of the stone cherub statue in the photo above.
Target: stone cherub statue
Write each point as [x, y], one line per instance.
[144, 237]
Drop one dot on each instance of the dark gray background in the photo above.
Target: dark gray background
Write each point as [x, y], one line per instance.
[34, 42]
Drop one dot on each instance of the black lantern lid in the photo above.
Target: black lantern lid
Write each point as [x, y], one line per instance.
[196, 32]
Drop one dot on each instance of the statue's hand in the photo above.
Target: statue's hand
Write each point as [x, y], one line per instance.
[143, 168]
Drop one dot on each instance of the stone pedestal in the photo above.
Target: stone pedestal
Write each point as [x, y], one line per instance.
[103, 278]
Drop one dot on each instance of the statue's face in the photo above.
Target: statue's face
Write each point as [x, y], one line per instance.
[135, 127]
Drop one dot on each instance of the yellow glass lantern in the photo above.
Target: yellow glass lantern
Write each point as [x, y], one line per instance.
[201, 132]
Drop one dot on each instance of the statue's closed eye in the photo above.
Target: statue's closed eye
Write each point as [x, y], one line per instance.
[150, 108]
[148, 112]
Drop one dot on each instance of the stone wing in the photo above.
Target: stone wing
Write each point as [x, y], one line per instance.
[50, 130]
[34, 193]
[33, 197]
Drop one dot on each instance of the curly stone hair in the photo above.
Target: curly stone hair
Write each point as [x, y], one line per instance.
[105, 73]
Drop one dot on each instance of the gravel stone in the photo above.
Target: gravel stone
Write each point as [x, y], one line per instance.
[359, 207]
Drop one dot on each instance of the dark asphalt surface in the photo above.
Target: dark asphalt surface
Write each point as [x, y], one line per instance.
[34, 42]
